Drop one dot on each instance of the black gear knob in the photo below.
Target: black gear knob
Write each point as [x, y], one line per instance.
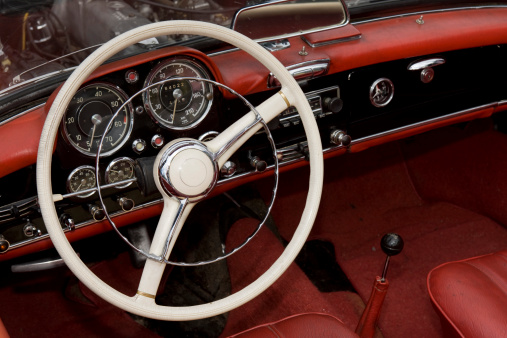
[391, 244]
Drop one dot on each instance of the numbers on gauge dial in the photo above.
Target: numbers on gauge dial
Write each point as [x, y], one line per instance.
[82, 178]
[178, 103]
[120, 169]
[88, 115]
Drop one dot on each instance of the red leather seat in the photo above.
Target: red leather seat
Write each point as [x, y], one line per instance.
[3, 330]
[471, 295]
[301, 326]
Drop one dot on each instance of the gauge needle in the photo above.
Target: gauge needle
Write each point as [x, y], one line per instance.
[176, 94]
[174, 110]
[96, 120]
[83, 181]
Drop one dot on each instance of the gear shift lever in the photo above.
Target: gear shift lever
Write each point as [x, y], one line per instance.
[391, 244]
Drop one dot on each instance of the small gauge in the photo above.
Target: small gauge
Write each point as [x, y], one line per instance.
[82, 178]
[120, 169]
[381, 92]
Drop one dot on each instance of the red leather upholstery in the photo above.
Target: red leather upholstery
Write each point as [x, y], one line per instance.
[471, 295]
[301, 326]
[3, 330]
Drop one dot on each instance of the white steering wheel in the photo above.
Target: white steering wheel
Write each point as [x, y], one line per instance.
[185, 171]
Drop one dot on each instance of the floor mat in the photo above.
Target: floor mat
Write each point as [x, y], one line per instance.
[292, 294]
[369, 194]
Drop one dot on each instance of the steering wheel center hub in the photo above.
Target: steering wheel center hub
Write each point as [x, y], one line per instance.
[187, 169]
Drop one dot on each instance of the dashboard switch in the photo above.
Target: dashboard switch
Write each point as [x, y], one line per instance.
[333, 104]
[97, 212]
[157, 141]
[139, 145]
[31, 230]
[67, 222]
[228, 169]
[258, 164]
[4, 244]
[340, 138]
[126, 204]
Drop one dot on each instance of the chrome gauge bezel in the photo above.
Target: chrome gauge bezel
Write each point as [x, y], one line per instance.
[389, 95]
[74, 172]
[113, 163]
[130, 119]
[151, 80]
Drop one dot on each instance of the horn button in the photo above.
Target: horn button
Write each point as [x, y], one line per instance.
[187, 169]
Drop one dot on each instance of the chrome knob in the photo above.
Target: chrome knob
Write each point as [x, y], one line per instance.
[340, 138]
[97, 212]
[228, 169]
[258, 164]
[126, 204]
[4, 244]
[67, 222]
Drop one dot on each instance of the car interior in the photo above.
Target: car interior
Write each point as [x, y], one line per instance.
[288, 168]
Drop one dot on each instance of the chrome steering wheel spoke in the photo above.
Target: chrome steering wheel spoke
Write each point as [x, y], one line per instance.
[171, 222]
[227, 142]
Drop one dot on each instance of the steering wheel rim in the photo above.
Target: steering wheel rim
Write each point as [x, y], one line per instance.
[290, 94]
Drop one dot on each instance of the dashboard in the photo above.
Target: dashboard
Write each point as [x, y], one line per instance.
[129, 109]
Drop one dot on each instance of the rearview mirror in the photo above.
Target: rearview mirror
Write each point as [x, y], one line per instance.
[289, 18]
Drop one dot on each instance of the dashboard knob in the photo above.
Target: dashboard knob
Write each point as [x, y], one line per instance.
[97, 212]
[333, 104]
[4, 244]
[258, 164]
[31, 230]
[340, 138]
[126, 204]
[67, 222]
[228, 169]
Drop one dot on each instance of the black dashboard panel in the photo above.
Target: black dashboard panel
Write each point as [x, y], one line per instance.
[466, 80]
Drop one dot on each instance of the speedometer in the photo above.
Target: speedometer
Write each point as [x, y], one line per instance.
[88, 115]
[172, 100]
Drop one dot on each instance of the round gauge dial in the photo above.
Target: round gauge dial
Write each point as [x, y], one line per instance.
[120, 169]
[381, 92]
[177, 103]
[88, 115]
[82, 178]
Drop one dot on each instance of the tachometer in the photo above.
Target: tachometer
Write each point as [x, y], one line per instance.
[88, 115]
[179, 103]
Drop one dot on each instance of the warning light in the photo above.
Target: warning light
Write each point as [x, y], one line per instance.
[131, 76]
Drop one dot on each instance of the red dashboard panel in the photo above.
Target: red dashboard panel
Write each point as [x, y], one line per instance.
[381, 41]
[20, 141]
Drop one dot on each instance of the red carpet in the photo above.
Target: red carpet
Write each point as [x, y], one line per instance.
[424, 199]
[292, 294]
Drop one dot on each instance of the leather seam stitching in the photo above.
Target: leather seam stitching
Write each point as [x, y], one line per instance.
[487, 276]
[275, 331]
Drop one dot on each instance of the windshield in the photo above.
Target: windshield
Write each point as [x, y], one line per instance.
[48, 37]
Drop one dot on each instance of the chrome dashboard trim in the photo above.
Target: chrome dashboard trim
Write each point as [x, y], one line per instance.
[331, 42]
[29, 110]
[83, 224]
[284, 163]
[303, 71]
[375, 136]
[425, 63]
